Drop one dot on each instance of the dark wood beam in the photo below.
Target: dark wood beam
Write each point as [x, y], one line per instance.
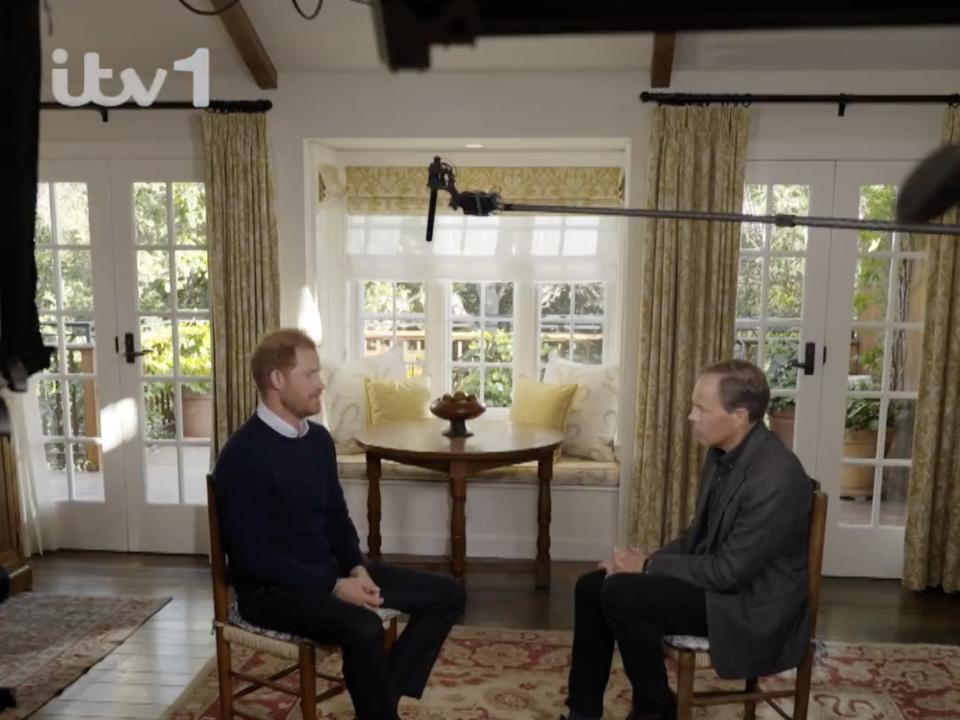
[661, 66]
[245, 37]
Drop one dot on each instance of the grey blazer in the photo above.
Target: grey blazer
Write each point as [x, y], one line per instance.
[755, 569]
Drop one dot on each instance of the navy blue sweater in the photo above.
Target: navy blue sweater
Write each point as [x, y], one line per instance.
[282, 514]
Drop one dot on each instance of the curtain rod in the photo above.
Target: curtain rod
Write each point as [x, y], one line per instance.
[841, 100]
[222, 106]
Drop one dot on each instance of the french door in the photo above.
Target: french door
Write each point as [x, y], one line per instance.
[846, 307]
[126, 407]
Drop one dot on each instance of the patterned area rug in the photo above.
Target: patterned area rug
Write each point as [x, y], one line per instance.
[48, 641]
[487, 674]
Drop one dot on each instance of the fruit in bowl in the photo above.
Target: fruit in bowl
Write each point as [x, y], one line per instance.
[457, 408]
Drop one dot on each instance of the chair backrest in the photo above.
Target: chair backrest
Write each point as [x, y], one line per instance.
[818, 526]
[218, 559]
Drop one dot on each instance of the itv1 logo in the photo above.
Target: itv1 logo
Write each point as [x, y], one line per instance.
[198, 65]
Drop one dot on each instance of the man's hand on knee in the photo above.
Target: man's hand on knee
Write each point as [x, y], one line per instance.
[360, 590]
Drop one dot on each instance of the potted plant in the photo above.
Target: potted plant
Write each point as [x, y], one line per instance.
[861, 427]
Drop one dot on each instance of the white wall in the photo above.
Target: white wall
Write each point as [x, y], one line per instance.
[522, 105]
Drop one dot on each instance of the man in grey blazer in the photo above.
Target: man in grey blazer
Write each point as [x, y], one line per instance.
[737, 574]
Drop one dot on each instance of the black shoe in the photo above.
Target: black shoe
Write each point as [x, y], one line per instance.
[668, 712]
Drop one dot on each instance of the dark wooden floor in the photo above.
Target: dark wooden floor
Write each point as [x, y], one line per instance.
[142, 677]
[501, 594]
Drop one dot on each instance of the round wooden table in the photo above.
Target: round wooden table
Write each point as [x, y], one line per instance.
[493, 444]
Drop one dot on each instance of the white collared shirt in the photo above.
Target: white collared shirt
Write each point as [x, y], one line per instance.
[280, 425]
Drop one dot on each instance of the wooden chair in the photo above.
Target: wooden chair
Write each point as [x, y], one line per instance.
[691, 653]
[231, 629]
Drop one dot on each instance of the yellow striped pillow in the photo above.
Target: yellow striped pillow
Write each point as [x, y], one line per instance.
[392, 400]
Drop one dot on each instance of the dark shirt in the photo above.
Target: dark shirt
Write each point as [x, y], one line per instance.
[725, 462]
[282, 514]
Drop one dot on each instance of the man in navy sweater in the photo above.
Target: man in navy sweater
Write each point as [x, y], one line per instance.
[293, 552]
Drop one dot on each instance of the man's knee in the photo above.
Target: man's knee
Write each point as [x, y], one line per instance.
[619, 598]
[588, 588]
[454, 596]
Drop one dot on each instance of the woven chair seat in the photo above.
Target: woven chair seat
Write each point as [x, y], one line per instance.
[673, 645]
[286, 645]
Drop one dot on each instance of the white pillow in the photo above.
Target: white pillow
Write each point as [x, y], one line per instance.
[344, 399]
[592, 421]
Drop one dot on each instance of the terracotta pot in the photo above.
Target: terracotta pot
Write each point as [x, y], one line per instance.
[197, 414]
[781, 423]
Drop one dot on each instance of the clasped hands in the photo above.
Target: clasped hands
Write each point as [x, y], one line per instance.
[359, 589]
[630, 560]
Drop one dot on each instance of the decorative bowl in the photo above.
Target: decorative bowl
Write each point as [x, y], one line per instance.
[457, 408]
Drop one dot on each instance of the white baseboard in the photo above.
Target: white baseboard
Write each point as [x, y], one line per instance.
[501, 519]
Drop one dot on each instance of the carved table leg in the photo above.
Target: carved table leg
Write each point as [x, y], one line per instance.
[545, 475]
[373, 506]
[458, 518]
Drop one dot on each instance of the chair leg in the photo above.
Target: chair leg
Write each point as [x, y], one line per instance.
[390, 636]
[224, 681]
[308, 682]
[686, 670]
[750, 706]
[801, 699]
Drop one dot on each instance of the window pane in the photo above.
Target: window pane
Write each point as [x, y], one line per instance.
[76, 272]
[50, 400]
[190, 213]
[414, 339]
[465, 299]
[150, 213]
[378, 336]
[498, 299]
[588, 343]
[749, 284]
[192, 280]
[555, 299]
[754, 203]
[555, 338]
[50, 331]
[877, 202]
[196, 403]
[498, 342]
[866, 359]
[747, 345]
[588, 299]
[578, 242]
[42, 227]
[82, 396]
[782, 348]
[498, 387]
[785, 292]
[465, 342]
[790, 200]
[56, 454]
[163, 485]
[153, 279]
[466, 380]
[46, 280]
[377, 298]
[909, 290]
[905, 360]
[195, 348]
[87, 472]
[156, 337]
[73, 215]
[901, 415]
[159, 410]
[870, 289]
[411, 298]
[893, 496]
[196, 465]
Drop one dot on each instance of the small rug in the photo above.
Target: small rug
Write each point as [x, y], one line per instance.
[490, 674]
[48, 641]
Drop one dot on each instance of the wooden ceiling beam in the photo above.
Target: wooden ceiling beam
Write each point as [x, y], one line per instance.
[661, 65]
[248, 43]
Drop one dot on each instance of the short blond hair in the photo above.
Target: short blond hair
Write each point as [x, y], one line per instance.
[277, 351]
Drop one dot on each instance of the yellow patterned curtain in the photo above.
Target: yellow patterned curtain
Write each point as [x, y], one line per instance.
[403, 190]
[244, 262]
[932, 550]
[687, 305]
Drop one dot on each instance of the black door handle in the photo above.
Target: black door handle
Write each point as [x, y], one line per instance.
[809, 359]
[128, 352]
